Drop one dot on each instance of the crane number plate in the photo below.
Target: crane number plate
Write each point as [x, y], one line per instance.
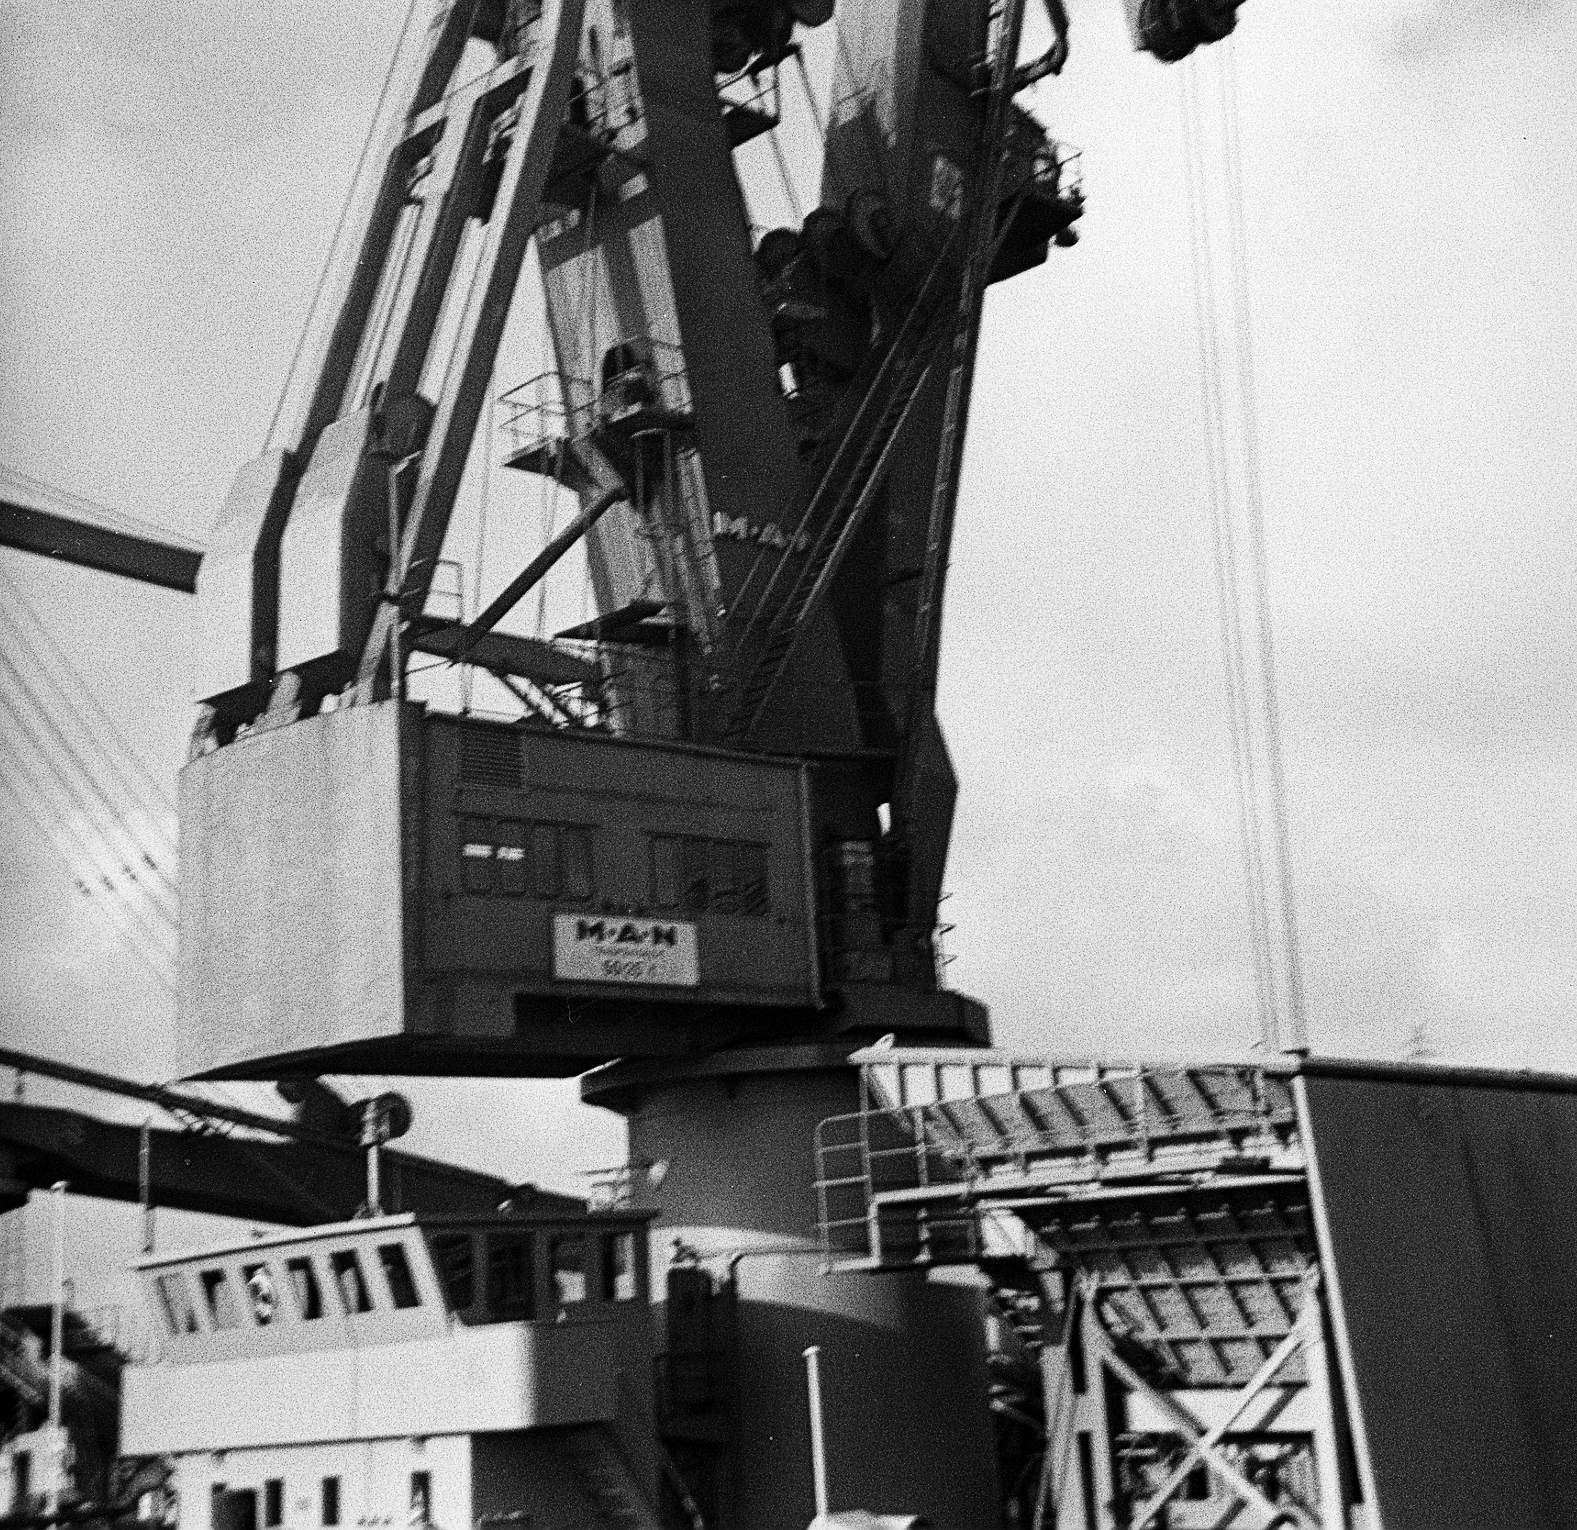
[613, 949]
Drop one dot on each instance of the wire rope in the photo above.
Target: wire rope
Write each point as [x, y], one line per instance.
[118, 825]
[339, 225]
[788, 183]
[1241, 566]
[75, 795]
[1226, 67]
[1222, 549]
[82, 508]
[121, 819]
[18, 604]
[816, 117]
[60, 830]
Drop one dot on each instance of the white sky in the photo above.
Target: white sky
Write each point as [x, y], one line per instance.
[169, 177]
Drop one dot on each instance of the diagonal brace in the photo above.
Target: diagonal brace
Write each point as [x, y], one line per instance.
[1204, 1445]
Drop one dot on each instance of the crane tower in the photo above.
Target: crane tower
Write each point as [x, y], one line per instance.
[706, 860]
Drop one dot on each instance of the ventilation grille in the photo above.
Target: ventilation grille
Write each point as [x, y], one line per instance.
[490, 757]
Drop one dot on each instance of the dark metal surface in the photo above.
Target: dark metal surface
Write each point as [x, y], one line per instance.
[295, 1183]
[1451, 1241]
[90, 546]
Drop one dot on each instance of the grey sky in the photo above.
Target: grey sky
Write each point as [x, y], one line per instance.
[169, 176]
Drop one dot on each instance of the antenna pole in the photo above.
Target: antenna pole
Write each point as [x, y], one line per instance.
[57, 1334]
[374, 1133]
[818, 1445]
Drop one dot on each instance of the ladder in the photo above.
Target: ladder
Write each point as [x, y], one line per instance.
[836, 509]
[983, 237]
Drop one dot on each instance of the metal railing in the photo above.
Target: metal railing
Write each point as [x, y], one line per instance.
[643, 380]
[898, 1183]
[543, 413]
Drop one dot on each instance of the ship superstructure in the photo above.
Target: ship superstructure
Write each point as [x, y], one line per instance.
[443, 1370]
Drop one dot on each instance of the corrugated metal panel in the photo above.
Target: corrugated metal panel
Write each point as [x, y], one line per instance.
[1451, 1218]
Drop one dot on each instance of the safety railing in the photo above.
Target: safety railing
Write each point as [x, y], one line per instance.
[541, 415]
[644, 382]
[751, 103]
[1049, 170]
[897, 1182]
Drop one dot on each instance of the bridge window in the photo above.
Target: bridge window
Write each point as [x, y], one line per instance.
[421, 1499]
[304, 1287]
[273, 1502]
[221, 1299]
[331, 1500]
[353, 1294]
[511, 1277]
[456, 1260]
[397, 1271]
[261, 1292]
[618, 1267]
[569, 1268]
[700, 875]
[176, 1300]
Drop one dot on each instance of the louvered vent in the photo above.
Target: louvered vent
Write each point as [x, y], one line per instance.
[490, 756]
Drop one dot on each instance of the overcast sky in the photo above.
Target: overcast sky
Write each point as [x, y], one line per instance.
[169, 177]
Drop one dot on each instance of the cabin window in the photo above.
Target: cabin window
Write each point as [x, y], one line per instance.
[568, 1257]
[665, 871]
[511, 1277]
[456, 1262]
[304, 1288]
[725, 898]
[476, 854]
[221, 1299]
[273, 1502]
[397, 1271]
[545, 860]
[421, 1498]
[261, 1293]
[575, 858]
[234, 1508]
[509, 857]
[618, 1267]
[176, 1300]
[331, 1500]
[753, 879]
[353, 1294]
[699, 875]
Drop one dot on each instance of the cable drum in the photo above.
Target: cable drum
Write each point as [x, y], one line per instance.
[1172, 29]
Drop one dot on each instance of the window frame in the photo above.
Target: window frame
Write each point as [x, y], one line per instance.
[344, 1261]
[564, 1239]
[514, 1310]
[610, 1242]
[392, 1256]
[308, 1292]
[211, 1282]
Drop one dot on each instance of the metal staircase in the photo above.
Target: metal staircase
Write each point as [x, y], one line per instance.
[606, 1481]
[767, 636]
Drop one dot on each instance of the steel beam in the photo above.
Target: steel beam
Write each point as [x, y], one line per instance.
[90, 546]
[291, 1183]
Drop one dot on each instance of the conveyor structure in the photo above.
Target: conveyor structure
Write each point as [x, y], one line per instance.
[1245, 1294]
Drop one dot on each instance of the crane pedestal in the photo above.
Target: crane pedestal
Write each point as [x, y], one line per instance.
[721, 1147]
